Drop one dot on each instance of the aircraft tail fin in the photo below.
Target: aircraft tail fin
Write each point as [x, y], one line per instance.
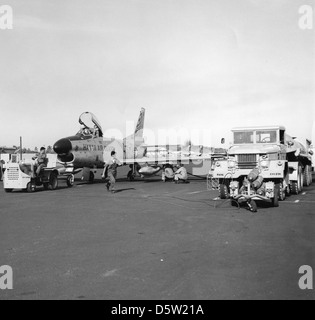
[136, 139]
[140, 124]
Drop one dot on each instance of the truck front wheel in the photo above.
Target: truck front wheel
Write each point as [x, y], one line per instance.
[282, 192]
[275, 200]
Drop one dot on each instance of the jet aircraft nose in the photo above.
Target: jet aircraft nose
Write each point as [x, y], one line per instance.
[62, 146]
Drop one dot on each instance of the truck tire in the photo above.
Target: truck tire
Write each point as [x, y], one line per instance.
[275, 199]
[8, 190]
[294, 187]
[307, 179]
[310, 176]
[224, 191]
[297, 186]
[53, 182]
[282, 192]
[70, 181]
[300, 179]
[31, 187]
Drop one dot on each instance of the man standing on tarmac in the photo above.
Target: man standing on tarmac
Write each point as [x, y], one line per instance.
[111, 168]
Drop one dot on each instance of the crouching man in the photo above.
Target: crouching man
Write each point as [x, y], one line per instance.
[180, 174]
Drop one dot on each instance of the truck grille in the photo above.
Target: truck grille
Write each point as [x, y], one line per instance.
[13, 174]
[247, 161]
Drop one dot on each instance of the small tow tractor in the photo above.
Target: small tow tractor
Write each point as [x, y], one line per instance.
[22, 176]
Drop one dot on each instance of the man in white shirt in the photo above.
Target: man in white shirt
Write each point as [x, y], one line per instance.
[180, 174]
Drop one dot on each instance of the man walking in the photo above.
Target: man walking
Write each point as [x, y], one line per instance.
[111, 168]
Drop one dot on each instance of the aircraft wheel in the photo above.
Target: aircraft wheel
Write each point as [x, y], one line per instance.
[53, 182]
[31, 187]
[91, 179]
[224, 192]
[70, 181]
[8, 190]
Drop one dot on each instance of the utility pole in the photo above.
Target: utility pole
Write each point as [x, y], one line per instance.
[21, 149]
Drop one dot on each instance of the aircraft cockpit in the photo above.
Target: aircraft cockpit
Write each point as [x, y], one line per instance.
[90, 126]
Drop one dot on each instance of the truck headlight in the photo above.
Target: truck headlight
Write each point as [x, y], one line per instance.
[231, 164]
[264, 163]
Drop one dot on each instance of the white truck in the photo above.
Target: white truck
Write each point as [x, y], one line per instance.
[21, 175]
[263, 163]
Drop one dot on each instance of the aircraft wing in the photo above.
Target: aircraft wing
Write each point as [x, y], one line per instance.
[173, 159]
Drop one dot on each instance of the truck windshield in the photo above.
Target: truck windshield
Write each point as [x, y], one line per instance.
[241, 137]
[266, 136]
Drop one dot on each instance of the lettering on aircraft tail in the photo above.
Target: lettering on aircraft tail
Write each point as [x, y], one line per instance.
[140, 122]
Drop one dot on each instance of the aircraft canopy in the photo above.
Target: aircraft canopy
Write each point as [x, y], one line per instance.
[89, 120]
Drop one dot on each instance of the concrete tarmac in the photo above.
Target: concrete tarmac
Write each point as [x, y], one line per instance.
[153, 240]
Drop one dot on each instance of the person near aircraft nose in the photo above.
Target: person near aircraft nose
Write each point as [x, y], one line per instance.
[180, 174]
[41, 160]
[112, 166]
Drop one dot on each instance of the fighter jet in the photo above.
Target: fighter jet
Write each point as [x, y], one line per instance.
[87, 149]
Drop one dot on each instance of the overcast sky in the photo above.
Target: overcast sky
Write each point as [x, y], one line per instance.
[203, 65]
